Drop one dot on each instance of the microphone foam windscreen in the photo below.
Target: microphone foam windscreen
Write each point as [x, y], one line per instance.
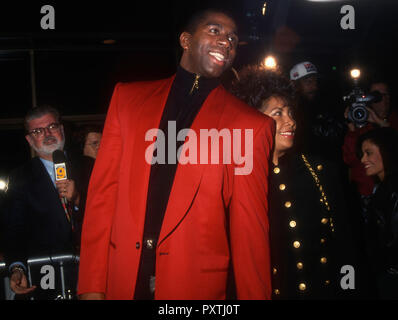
[58, 156]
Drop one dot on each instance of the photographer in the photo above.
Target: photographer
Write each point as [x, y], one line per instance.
[380, 115]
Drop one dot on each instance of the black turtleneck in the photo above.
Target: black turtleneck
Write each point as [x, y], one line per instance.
[182, 106]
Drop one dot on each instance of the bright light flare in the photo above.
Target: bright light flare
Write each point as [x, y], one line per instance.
[355, 73]
[264, 9]
[3, 185]
[270, 62]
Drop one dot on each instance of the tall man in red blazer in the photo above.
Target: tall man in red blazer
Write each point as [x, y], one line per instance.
[157, 228]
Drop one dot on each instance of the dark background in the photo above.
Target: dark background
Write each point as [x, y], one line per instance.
[76, 71]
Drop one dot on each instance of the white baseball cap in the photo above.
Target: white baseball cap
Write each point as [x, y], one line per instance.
[302, 69]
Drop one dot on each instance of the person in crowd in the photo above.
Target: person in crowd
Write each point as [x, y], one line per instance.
[155, 230]
[378, 151]
[308, 233]
[36, 223]
[320, 127]
[381, 114]
[88, 139]
[305, 78]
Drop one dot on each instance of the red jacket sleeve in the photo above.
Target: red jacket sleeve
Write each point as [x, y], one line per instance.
[249, 226]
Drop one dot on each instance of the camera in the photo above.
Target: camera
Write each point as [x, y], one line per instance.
[357, 112]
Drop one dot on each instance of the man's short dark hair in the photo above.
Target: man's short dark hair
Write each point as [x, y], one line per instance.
[40, 111]
[200, 16]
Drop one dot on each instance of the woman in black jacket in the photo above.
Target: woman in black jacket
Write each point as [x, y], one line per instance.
[305, 199]
[378, 151]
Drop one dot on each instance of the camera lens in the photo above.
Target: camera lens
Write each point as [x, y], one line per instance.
[359, 114]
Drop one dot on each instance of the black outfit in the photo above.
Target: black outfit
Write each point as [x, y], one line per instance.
[382, 237]
[86, 165]
[35, 222]
[308, 235]
[186, 97]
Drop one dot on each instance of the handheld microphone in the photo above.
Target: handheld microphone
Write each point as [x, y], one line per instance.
[59, 165]
[61, 174]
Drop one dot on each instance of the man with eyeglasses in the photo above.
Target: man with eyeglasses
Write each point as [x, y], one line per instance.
[36, 222]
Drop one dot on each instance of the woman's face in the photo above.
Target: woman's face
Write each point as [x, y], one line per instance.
[372, 159]
[92, 144]
[278, 110]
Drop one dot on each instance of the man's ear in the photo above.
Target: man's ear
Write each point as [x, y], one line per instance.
[29, 139]
[185, 40]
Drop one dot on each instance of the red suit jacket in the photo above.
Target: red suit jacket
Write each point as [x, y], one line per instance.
[193, 251]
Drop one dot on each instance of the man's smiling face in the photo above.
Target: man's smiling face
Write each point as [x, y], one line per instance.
[211, 49]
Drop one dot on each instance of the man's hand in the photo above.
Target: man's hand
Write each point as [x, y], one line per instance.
[67, 189]
[19, 283]
[350, 125]
[374, 118]
[92, 296]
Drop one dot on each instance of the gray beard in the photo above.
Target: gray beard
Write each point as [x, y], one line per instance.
[49, 149]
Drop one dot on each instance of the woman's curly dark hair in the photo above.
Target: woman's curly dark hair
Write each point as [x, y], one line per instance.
[387, 141]
[257, 84]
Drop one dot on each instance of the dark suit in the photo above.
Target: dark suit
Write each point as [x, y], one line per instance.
[35, 221]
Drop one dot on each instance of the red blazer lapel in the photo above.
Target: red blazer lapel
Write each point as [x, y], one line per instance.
[188, 176]
[151, 113]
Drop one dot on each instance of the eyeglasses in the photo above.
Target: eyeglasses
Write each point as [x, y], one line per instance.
[38, 132]
[93, 144]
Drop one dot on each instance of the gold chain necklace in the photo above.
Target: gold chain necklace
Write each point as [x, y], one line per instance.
[324, 199]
